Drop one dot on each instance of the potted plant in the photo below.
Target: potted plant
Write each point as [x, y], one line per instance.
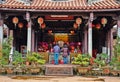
[18, 62]
[35, 59]
[83, 61]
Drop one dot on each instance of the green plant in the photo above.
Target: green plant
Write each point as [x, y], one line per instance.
[115, 61]
[6, 47]
[35, 57]
[101, 59]
[81, 59]
[17, 58]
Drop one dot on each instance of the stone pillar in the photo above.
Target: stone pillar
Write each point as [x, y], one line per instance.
[1, 30]
[118, 26]
[86, 41]
[33, 41]
[28, 32]
[90, 35]
[109, 44]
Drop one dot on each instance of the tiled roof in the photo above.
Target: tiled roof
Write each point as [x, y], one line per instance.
[63, 5]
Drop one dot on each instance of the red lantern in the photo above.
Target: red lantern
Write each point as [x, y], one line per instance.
[43, 25]
[98, 26]
[15, 20]
[40, 20]
[75, 25]
[104, 21]
[20, 25]
[78, 21]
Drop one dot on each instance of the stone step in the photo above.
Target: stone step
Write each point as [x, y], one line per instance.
[59, 70]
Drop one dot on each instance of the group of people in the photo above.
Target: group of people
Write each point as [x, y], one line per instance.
[57, 50]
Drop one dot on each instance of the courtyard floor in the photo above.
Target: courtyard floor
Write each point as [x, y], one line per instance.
[58, 79]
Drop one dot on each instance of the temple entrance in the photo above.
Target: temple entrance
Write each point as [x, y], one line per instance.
[62, 29]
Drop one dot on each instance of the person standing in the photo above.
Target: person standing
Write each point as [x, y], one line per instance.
[65, 51]
[56, 50]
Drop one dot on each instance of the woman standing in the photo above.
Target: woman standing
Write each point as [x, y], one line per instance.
[65, 53]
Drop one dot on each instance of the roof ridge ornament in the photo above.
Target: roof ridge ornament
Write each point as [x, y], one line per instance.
[93, 1]
[59, 0]
[26, 2]
[2, 1]
[118, 1]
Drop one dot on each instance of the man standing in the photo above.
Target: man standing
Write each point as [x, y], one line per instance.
[56, 50]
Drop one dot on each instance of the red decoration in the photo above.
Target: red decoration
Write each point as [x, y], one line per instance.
[40, 20]
[20, 25]
[78, 21]
[75, 25]
[43, 25]
[98, 26]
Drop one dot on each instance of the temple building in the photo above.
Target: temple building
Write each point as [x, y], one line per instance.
[36, 25]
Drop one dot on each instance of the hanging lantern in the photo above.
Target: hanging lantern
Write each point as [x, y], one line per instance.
[43, 25]
[72, 32]
[98, 26]
[75, 25]
[78, 21]
[40, 20]
[15, 20]
[103, 21]
[20, 25]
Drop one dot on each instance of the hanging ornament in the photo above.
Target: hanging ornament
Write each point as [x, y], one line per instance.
[40, 20]
[72, 32]
[43, 25]
[78, 21]
[20, 25]
[75, 25]
[98, 26]
[103, 21]
[15, 20]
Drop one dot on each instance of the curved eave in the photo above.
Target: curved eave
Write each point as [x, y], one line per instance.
[60, 10]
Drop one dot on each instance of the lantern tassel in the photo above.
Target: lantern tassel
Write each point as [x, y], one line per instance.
[103, 25]
[15, 26]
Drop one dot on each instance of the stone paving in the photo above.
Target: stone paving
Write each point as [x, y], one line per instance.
[60, 79]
